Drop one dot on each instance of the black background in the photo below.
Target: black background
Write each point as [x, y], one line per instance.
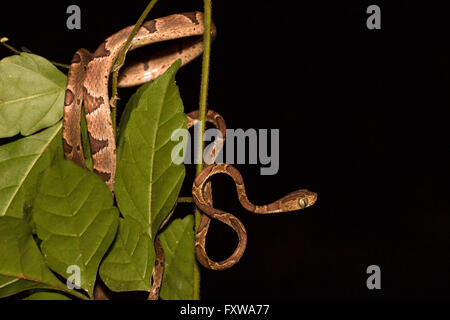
[363, 119]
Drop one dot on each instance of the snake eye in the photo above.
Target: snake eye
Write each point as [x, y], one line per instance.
[303, 202]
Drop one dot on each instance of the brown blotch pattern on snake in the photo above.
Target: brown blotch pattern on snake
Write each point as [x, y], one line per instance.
[68, 98]
[76, 58]
[191, 16]
[104, 175]
[67, 147]
[97, 145]
[101, 51]
[150, 26]
[92, 103]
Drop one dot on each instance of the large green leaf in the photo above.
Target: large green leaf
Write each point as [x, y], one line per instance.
[22, 266]
[21, 162]
[31, 94]
[75, 219]
[129, 264]
[178, 243]
[147, 181]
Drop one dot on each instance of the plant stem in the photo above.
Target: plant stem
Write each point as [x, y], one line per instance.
[61, 65]
[121, 59]
[202, 115]
[185, 200]
[76, 294]
[4, 40]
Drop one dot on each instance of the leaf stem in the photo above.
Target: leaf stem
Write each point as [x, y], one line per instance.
[4, 40]
[185, 200]
[61, 65]
[202, 115]
[75, 293]
[121, 59]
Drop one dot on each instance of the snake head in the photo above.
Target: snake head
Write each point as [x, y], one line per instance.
[297, 200]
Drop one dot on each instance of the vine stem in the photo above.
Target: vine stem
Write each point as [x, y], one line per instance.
[202, 115]
[121, 59]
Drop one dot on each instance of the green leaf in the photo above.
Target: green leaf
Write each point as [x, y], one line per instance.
[178, 244]
[75, 219]
[31, 94]
[22, 266]
[131, 104]
[21, 163]
[47, 295]
[147, 181]
[129, 264]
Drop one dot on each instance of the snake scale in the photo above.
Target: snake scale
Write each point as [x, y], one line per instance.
[87, 82]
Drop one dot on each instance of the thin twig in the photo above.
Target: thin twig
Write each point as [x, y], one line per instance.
[25, 49]
[3, 42]
[121, 59]
[61, 65]
[15, 51]
[185, 200]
